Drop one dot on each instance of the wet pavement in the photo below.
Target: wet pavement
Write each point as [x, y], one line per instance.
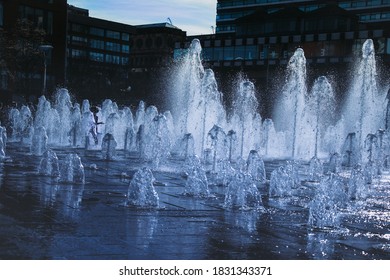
[43, 219]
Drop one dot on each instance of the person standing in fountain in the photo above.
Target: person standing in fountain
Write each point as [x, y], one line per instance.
[94, 122]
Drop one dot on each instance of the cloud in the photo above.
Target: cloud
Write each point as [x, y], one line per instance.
[193, 16]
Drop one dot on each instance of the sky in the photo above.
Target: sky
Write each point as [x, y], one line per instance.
[194, 16]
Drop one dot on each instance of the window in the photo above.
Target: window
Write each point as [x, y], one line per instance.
[96, 44]
[113, 34]
[110, 46]
[96, 31]
[228, 53]
[125, 36]
[95, 56]
[239, 52]
[218, 54]
[125, 60]
[207, 54]
[78, 28]
[78, 53]
[114, 59]
[125, 48]
[251, 52]
[80, 41]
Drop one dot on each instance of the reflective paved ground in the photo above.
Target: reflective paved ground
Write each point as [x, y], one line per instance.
[41, 219]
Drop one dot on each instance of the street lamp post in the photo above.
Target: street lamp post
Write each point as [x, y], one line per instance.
[45, 49]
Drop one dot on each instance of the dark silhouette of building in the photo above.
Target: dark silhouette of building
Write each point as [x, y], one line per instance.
[97, 54]
[113, 60]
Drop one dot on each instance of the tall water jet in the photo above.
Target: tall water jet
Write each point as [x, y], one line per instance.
[197, 99]
[211, 101]
[76, 132]
[154, 143]
[361, 110]
[273, 143]
[188, 90]
[321, 108]
[48, 117]
[141, 191]
[288, 114]
[246, 121]
[63, 106]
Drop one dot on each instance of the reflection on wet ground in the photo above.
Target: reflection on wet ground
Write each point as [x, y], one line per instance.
[43, 219]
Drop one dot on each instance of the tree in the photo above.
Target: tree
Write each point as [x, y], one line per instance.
[20, 57]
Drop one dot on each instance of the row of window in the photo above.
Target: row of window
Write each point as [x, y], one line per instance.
[375, 16]
[235, 15]
[99, 44]
[284, 51]
[234, 3]
[362, 4]
[100, 32]
[344, 4]
[99, 57]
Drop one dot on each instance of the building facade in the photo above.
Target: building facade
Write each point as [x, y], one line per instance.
[113, 60]
[228, 11]
[97, 54]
